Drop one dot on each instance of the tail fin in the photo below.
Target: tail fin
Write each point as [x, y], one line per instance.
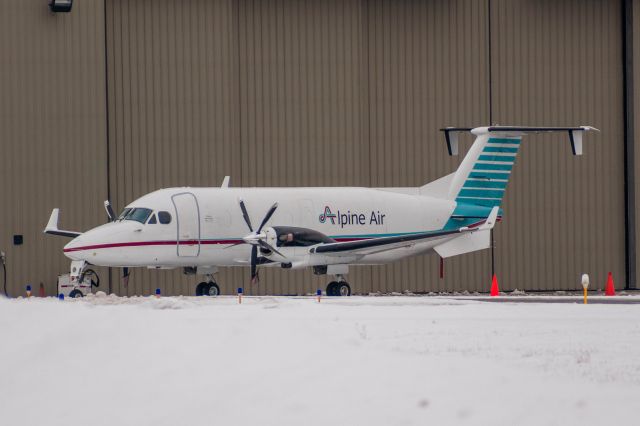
[484, 173]
[482, 177]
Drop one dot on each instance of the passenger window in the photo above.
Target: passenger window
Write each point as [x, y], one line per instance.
[153, 220]
[164, 217]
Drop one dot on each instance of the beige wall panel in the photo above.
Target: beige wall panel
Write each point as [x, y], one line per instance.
[52, 133]
[172, 106]
[301, 109]
[427, 69]
[559, 63]
[353, 93]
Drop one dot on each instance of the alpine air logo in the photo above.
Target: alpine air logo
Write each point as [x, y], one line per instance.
[373, 217]
[327, 215]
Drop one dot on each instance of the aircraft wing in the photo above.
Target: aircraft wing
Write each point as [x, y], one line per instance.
[377, 245]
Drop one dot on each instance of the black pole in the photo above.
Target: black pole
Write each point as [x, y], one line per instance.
[493, 253]
[629, 146]
[106, 110]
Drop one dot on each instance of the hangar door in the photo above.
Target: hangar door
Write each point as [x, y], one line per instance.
[187, 224]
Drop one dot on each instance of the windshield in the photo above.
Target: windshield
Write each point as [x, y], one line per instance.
[124, 213]
[138, 214]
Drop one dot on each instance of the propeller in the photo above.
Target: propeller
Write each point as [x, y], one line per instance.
[110, 213]
[257, 238]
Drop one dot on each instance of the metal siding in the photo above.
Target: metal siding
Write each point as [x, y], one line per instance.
[427, 69]
[173, 109]
[300, 106]
[52, 133]
[563, 215]
[300, 93]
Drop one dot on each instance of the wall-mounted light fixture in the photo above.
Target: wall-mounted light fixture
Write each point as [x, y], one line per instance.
[60, 5]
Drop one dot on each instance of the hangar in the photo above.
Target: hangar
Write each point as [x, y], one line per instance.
[117, 98]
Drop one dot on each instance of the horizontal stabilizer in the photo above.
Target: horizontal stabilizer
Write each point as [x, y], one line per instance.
[575, 134]
[465, 243]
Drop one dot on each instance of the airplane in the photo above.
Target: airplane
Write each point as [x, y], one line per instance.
[327, 229]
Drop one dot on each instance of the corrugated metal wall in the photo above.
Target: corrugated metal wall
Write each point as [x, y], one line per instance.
[52, 132]
[559, 63]
[342, 93]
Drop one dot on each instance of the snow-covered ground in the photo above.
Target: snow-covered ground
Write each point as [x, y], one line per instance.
[292, 361]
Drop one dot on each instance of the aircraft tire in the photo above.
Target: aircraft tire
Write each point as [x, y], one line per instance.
[75, 293]
[343, 289]
[202, 289]
[213, 290]
[332, 289]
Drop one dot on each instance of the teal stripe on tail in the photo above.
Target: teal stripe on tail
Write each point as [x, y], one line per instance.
[487, 181]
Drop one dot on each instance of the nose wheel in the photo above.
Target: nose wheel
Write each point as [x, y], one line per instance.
[338, 288]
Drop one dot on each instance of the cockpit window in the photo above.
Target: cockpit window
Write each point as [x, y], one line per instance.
[153, 220]
[138, 214]
[124, 214]
[164, 217]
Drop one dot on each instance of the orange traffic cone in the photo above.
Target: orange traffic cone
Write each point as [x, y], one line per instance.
[494, 286]
[610, 290]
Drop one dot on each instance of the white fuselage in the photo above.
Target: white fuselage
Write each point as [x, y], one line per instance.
[206, 222]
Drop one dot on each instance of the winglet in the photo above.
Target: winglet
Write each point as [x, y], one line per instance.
[225, 182]
[491, 220]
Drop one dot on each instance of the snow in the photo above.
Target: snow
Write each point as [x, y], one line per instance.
[106, 360]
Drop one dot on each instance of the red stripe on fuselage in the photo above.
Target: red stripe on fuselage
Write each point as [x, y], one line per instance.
[150, 243]
[171, 243]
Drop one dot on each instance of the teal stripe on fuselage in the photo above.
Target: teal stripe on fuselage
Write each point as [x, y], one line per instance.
[484, 184]
[500, 158]
[466, 214]
[489, 148]
[482, 193]
[489, 175]
[485, 166]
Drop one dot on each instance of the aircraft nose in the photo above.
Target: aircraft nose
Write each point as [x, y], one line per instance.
[71, 248]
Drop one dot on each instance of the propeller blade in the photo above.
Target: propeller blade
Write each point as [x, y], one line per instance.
[254, 263]
[233, 245]
[246, 215]
[267, 216]
[110, 213]
[268, 246]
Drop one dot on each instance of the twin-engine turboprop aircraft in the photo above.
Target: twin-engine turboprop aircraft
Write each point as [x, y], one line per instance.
[327, 229]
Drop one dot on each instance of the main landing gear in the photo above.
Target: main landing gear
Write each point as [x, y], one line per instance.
[208, 288]
[339, 288]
